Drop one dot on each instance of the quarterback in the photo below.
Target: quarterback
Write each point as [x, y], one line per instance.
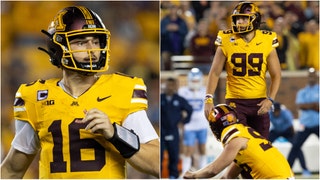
[247, 53]
[83, 125]
[244, 150]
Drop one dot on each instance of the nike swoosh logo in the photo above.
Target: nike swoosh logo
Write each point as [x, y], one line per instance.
[258, 43]
[101, 99]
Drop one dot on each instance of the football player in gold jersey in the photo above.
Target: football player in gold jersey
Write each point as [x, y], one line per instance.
[247, 53]
[84, 125]
[244, 150]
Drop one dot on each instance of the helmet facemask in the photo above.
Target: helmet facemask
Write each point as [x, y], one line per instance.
[68, 59]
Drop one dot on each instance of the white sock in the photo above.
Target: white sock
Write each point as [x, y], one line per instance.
[186, 164]
[202, 161]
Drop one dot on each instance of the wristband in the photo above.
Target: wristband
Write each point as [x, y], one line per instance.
[208, 99]
[125, 141]
[271, 99]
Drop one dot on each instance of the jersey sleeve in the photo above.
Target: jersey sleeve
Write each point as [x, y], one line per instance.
[25, 139]
[19, 106]
[275, 41]
[24, 106]
[218, 41]
[223, 39]
[141, 125]
[139, 99]
[131, 93]
[228, 134]
[268, 36]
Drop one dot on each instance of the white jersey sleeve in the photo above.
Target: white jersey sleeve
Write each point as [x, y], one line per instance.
[25, 140]
[141, 125]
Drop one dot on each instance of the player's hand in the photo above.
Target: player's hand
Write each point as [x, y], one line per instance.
[265, 106]
[207, 109]
[189, 175]
[98, 122]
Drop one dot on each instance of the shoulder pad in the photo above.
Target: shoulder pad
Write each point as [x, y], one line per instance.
[41, 81]
[125, 75]
[229, 31]
[270, 35]
[229, 134]
[222, 36]
[35, 88]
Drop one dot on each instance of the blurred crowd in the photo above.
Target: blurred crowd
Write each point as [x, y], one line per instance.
[295, 22]
[134, 48]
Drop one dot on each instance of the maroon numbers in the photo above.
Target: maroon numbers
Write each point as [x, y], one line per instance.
[58, 165]
[76, 144]
[240, 62]
[264, 145]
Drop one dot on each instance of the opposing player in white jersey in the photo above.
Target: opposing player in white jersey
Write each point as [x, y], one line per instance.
[195, 132]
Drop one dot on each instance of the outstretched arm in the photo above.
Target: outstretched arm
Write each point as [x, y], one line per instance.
[213, 77]
[227, 156]
[15, 164]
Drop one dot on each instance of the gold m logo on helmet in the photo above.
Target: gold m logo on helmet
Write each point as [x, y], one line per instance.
[212, 116]
[58, 22]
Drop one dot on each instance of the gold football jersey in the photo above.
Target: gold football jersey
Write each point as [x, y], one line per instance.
[260, 158]
[67, 149]
[246, 63]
